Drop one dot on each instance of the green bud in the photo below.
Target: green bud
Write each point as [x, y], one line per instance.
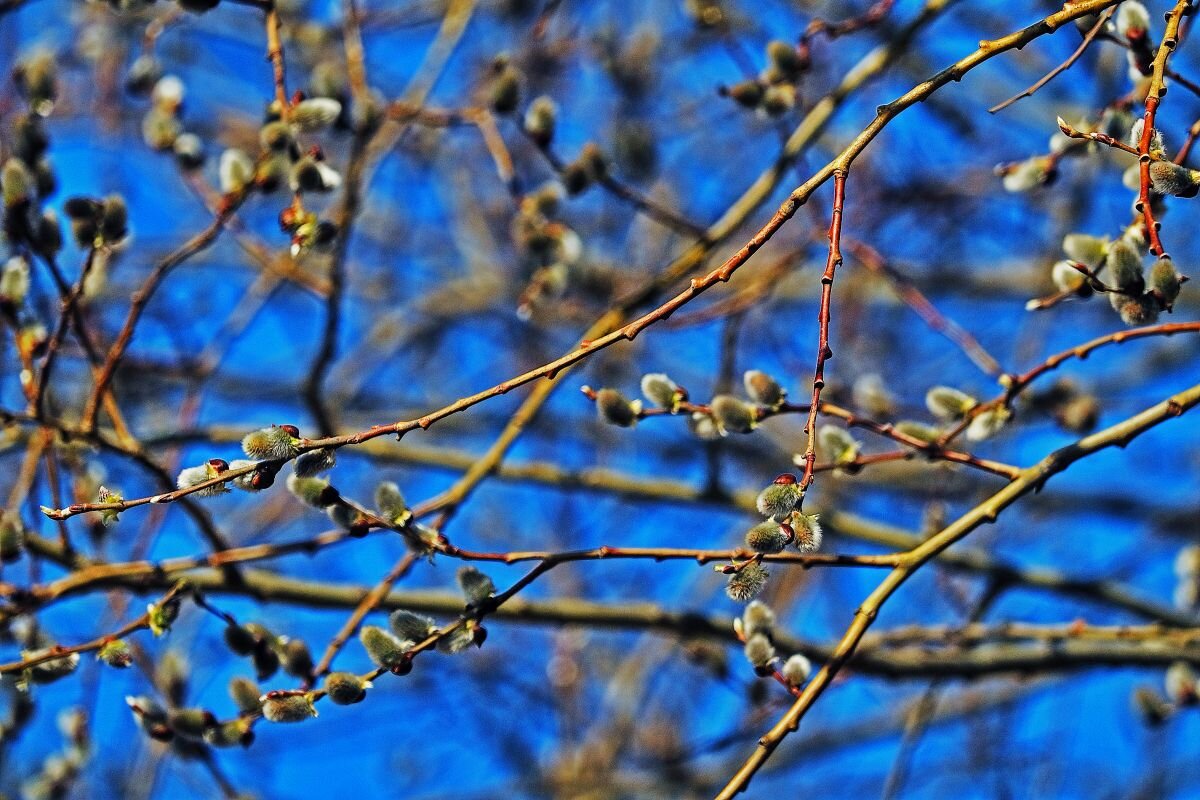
[732, 415]
[987, 424]
[409, 626]
[190, 722]
[1085, 249]
[807, 532]
[277, 441]
[12, 537]
[476, 586]
[115, 654]
[315, 492]
[918, 430]
[161, 615]
[297, 660]
[16, 184]
[662, 391]
[1124, 265]
[778, 99]
[316, 113]
[763, 389]
[346, 688]
[747, 582]
[1165, 281]
[540, 120]
[948, 404]
[505, 92]
[233, 733]
[383, 648]
[287, 706]
[1153, 709]
[766, 537]
[748, 93]
[614, 409]
[390, 503]
[315, 461]
[245, 694]
[114, 219]
[236, 171]
[778, 499]
[837, 444]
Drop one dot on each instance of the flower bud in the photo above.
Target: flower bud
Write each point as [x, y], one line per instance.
[796, 670]
[233, 733]
[733, 415]
[115, 653]
[778, 499]
[383, 648]
[37, 77]
[241, 640]
[987, 424]
[410, 627]
[759, 652]
[462, 637]
[1152, 708]
[143, 73]
[194, 476]
[662, 391]
[1081, 247]
[12, 537]
[1165, 281]
[161, 615]
[1172, 179]
[1180, 683]
[948, 404]
[747, 93]
[614, 409]
[1133, 21]
[1066, 278]
[1025, 175]
[837, 444]
[245, 694]
[16, 184]
[315, 492]
[276, 441]
[757, 618]
[190, 722]
[766, 537]
[236, 171]
[807, 531]
[778, 99]
[1140, 310]
[315, 113]
[763, 389]
[151, 716]
[346, 688]
[315, 461]
[540, 120]
[476, 586]
[287, 706]
[52, 670]
[784, 60]
[189, 152]
[160, 129]
[297, 660]
[390, 503]
[114, 219]
[1157, 143]
[746, 583]
[505, 92]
